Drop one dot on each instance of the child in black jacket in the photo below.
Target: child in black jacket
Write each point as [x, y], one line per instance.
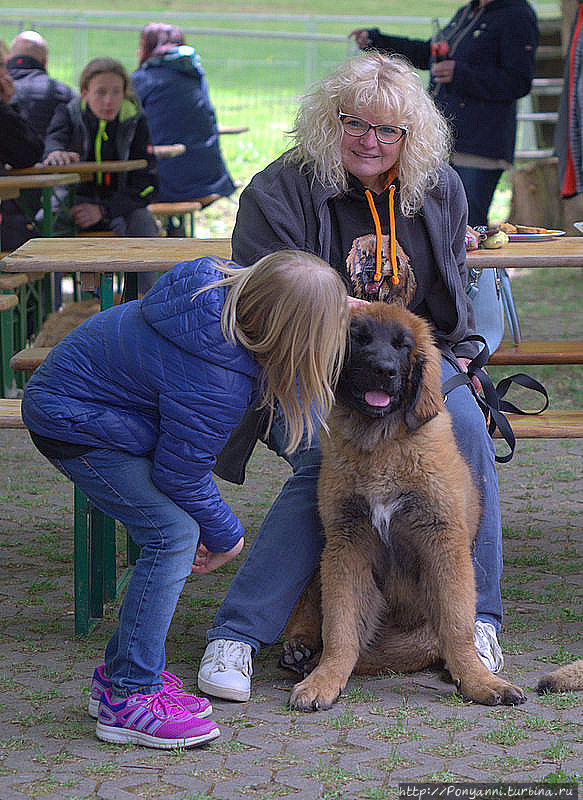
[107, 124]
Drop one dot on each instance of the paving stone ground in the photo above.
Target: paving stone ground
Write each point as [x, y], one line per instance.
[385, 729]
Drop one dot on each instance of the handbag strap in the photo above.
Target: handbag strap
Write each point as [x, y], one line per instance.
[491, 403]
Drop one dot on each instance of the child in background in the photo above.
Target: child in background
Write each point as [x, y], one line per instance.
[106, 124]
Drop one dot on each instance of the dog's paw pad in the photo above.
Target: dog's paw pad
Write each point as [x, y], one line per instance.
[296, 655]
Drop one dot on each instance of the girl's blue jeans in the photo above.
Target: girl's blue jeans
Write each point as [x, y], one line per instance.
[120, 485]
[287, 547]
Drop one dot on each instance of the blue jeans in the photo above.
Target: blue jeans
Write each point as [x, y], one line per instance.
[287, 547]
[480, 185]
[120, 485]
[140, 223]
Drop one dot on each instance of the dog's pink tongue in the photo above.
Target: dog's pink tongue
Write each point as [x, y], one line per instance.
[376, 398]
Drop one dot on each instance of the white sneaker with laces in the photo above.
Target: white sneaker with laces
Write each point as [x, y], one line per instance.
[225, 670]
[487, 647]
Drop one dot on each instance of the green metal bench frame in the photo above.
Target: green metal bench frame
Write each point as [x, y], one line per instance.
[95, 552]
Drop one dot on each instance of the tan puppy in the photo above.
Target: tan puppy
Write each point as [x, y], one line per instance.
[400, 512]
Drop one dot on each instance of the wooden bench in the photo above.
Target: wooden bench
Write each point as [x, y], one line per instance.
[32, 299]
[29, 359]
[548, 425]
[95, 574]
[182, 211]
[164, 212]
[565, 352]
[8, 302]
[94, 546]
[96, 234]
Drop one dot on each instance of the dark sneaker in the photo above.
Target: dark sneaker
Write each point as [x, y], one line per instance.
[152, 720]
[199, 706]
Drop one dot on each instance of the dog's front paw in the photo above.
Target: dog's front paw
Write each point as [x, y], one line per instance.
[494, 693]
[513, 695]
[299, 655]
[314, 694]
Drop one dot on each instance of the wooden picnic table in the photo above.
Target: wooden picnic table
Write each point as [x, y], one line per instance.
[168, 150]
[109, 255]
[11, 185]
[564, 251]
[86, 169]
[232, 129]
[158, 255]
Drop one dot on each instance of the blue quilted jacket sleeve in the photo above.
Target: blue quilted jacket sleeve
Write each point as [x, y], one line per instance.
[155, 378]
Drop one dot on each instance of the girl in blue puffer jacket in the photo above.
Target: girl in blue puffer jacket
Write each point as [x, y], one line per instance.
[135, 404]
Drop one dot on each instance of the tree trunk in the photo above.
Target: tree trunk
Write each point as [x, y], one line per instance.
[568, 13]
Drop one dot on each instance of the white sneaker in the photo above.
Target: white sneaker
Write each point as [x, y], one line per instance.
[487, 647]
[225, 670]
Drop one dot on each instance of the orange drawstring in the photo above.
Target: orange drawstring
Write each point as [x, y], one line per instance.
[377, 226]
[392, 236]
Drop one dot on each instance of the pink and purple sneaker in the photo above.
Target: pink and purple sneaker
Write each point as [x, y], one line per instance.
[199, 706]
[152, 720]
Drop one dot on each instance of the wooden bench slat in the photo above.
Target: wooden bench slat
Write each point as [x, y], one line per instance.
[96, 234]
[13, 281]
[549, 425]
[8, 301]
[562, 352]
[10, 414]
[174, 209]
[29, 359]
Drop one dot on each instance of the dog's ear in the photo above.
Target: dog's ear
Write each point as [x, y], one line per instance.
[424, 399]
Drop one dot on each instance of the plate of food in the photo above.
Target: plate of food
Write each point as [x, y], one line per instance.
[529, 233]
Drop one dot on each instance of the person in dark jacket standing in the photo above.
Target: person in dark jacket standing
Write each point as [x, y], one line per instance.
[491, 46]
[37, 94]
[367, 185]
[172, 88]
[134, 405]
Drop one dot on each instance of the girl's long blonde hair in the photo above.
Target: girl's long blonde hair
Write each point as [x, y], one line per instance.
[290, 310]
[387, 85]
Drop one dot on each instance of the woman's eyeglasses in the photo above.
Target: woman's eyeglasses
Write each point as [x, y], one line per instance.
[356, 126]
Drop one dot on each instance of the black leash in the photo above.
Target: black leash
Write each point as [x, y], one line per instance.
[492, 403]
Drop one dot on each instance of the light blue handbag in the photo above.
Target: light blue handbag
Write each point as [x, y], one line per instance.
[491, 296]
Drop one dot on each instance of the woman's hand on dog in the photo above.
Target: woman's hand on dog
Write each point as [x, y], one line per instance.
[355, 302]
[463, 362]
[205, 561]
